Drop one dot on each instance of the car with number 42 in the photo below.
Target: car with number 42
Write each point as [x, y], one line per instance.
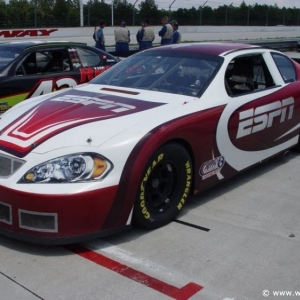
[33, 68]
[129, 147]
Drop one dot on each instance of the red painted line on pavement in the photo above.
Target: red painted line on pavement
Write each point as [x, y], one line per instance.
[183, 293]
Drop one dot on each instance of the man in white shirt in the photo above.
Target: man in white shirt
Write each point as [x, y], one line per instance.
[146, 36]
[122, 38]
[166, 33]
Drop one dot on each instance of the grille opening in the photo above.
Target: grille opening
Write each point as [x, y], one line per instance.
[16, 165]
[9, 165]
[5, 164]
[5, 213]
[36, 221]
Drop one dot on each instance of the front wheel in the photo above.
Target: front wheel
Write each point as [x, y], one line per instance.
[164, 187]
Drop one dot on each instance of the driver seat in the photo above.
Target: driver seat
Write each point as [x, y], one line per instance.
[56, 62]
[242, 77]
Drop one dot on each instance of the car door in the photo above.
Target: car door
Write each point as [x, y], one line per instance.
[92, 62]
[39, 72]
[51, 68]
[262, 114]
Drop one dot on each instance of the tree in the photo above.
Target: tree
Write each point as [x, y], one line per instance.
[207, 16]
[74, 13]
[3, 11]
[223, 15]
[95, 11]
[45, 16]
[19, 14]
[149, 10]
[61, 11]
[182, 16]
[122, 11]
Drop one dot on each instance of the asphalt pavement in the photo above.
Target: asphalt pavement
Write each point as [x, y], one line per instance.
[236, 241]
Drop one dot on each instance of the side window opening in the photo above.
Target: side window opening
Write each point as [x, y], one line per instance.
[89, 58]
[75, 62]
[285, 67]
[41, 62]
[246, 74]
[27, 66]
[54, 61]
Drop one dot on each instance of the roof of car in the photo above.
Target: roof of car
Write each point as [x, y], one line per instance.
[212, 48]
[33, 43]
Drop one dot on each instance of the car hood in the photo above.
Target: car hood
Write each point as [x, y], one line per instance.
[89, 112]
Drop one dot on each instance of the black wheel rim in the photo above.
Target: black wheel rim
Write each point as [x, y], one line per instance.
[161, 186]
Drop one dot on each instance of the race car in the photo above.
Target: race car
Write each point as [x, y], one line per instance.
[129, 147]
[33, 68]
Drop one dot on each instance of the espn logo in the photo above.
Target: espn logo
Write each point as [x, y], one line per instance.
[262, 117]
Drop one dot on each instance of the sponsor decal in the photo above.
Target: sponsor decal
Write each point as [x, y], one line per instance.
[62, 112]
[26, 33]
[87, 74]
[142, 195]
[188, 185]
[50, 85]
[109, 105]
[212, 167]
[253, 131]
[254, 120]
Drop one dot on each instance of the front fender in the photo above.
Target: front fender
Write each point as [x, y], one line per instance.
[196, 131]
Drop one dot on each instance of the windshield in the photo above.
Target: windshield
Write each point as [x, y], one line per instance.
[176, 74]
[8, 54]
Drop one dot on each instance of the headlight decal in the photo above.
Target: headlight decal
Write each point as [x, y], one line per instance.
[80, 167]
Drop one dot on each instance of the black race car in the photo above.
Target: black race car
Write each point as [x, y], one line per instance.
[33, 68]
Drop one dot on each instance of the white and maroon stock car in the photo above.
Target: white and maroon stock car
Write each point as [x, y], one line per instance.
[131, 145]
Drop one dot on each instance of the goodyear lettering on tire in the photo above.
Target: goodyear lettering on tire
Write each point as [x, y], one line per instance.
[187, 185]
[145, 211]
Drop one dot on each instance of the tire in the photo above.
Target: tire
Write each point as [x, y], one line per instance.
[297, 147]
[164, 187]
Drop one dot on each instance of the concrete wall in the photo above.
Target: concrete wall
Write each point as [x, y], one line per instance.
[189, 33]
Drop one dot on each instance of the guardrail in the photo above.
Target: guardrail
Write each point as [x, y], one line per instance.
[280, 45]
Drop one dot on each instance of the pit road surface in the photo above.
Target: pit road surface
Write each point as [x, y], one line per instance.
[236, 241]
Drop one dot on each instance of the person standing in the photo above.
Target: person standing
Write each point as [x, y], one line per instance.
[122, 38]
[176, 34]
[138, 35]
[147, 36]
[166, 33]
[99, 36]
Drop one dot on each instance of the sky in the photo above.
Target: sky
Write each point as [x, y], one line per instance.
[165, 4]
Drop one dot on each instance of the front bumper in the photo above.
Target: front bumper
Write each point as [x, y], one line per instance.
[57, 219]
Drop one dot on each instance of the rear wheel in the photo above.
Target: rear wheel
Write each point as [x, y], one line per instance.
[297, 147]
[164, 187]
